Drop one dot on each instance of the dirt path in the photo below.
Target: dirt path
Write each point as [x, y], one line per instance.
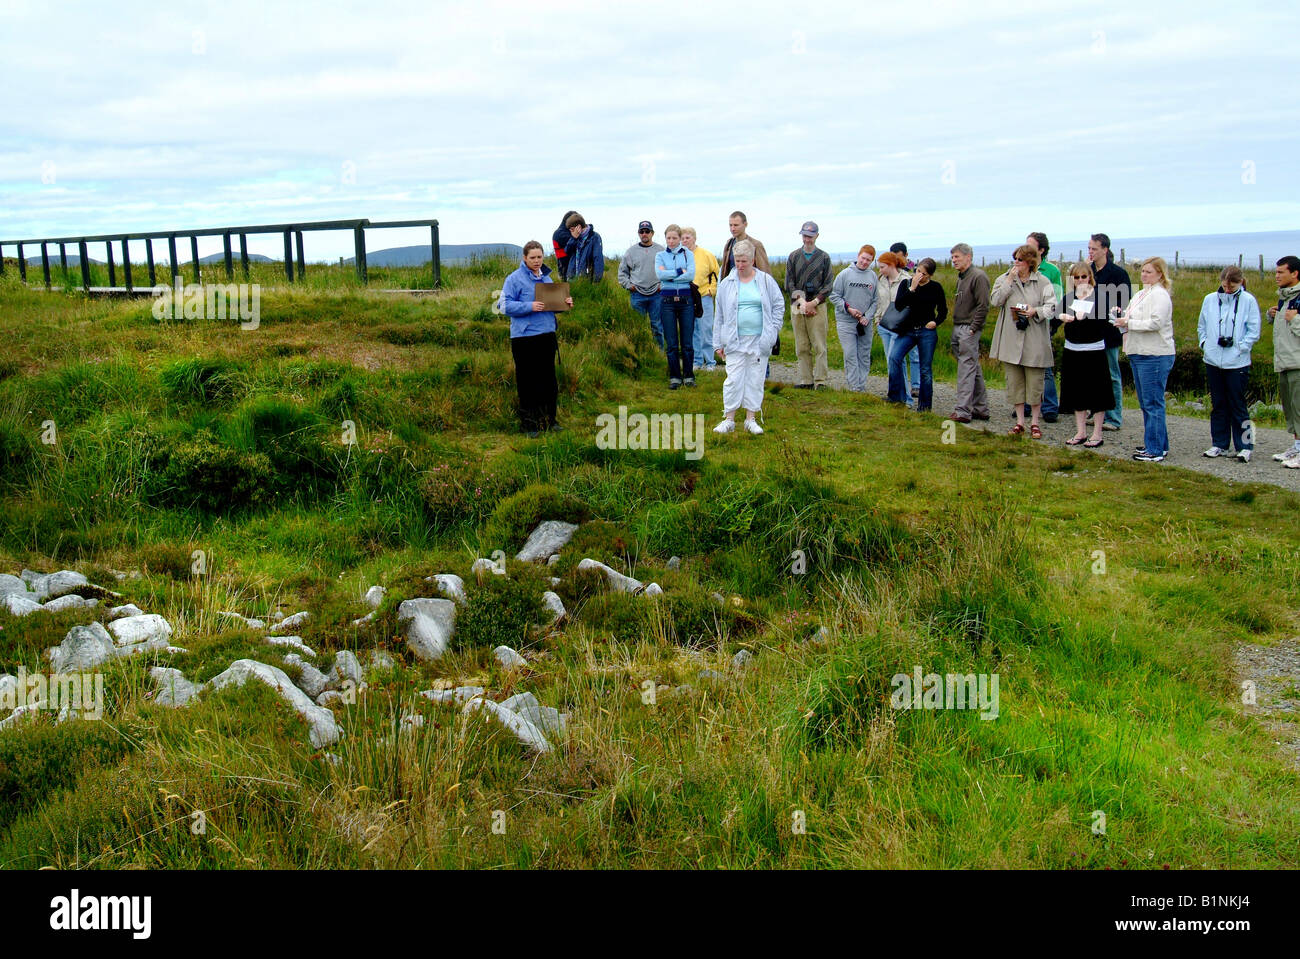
[1188, 436]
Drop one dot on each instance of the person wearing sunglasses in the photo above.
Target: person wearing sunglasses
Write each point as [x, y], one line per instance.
[636, 274]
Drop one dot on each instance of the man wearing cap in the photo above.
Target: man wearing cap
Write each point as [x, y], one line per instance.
[636, 274]
[808, 283]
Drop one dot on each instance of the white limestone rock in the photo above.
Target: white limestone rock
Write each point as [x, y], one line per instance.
[482, 565]
[294, 642]
[9, 583]
[508, 658]
[369, 617]
[430, 625]
[145, 628]
[17, 604]
[461, 694]
[654, 589]
[374, 596]
[84, 647]
[546, 718]
[346, 669]
[58, 584]
[549, 537]
[555, 605]
[310, 679]
[289, 623]
[617, 581]
[381, 659]
[524, 731]
[741, 660]
[450, 585]
[67, 601]
[323, 729]
[171, 688]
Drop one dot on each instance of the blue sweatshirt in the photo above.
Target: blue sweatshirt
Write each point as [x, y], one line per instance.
[517, 302]
[668, 263]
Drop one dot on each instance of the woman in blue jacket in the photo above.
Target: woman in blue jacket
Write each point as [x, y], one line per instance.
[675, 268]
[532, 341]
[1227, 328]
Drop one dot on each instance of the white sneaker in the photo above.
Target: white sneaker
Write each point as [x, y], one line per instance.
[1292, 463]
[753, 427]
[726, 426]
[1214, 451]
[1285, 455]
[1243, 455]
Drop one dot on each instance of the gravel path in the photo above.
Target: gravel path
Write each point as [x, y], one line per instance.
[1188, 436]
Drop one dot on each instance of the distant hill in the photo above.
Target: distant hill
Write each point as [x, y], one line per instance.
[451, 254]
[234, 255]
[73, 259]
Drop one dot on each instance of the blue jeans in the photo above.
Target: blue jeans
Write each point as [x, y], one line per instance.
[1115, 417]
[677, 313]
[911, 369]
[1150, 373]
[923, 341]
[649, 305]
[704, 337]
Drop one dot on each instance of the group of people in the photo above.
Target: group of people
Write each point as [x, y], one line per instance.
[703, 310]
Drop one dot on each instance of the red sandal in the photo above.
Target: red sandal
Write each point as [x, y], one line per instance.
[1035, 432]
[1017, 430]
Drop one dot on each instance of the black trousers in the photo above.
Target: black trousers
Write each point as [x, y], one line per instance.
[1228, 413]
[535, 379]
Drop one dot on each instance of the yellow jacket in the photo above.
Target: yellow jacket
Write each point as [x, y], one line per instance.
[706, 263]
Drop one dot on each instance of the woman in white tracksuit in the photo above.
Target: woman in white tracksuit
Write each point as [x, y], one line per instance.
[748, 311]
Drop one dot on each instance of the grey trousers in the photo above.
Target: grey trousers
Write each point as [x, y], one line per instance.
[857, 354]
[972, 397]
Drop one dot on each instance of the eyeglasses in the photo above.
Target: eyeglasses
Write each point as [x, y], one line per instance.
[646, 232]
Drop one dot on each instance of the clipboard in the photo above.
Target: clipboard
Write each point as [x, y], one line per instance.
[553, 295]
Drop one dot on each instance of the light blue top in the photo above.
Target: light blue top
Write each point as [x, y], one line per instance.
[749, 321]
[1223, 315]
[675, 269]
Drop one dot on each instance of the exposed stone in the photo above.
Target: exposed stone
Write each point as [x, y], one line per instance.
[58, 584]
[821, 637]
[674, 562]
[617, 581]
[289, 623]
[741, 660]
[381, 659]
[145, 628]
[29, 576]
[171, 687]
[556, 605]
[67, 601]
[177, 650]
[23, 713]
[461, 694]
[450, 585]
[16, 604]
[654, 589]
[364, 619]
[374, 596]
[549, 537]
[553, 559]
[324, 730]
[508, 658]
[310, 680]
[526, 732]
[346, 669]
[546, 718]
[482, 566]
[712, 675]
[330, 698]
[294, 642]
[431, 624]
[244, 621]
[411, 722]
[8, 690]
[718, 598]
[9, 583]
[84, 647]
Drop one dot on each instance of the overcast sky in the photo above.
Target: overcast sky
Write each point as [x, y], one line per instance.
[926, 122]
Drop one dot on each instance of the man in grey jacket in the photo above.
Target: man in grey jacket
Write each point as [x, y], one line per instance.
[636, 274]
[970, 307]
[808, 281]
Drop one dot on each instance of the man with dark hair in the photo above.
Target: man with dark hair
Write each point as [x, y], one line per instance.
[970, 308]
[1285, 318]
[586, 253]
[901, 250]
[738, 223]
[636, 274]
[1037, 240]
[1113, 293]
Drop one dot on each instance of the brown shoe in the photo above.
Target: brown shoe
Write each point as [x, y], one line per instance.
[959, 419]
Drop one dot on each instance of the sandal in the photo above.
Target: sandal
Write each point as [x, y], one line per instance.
[1092, 446]
[1075, 440]
[1035, 432]
[1017, 430]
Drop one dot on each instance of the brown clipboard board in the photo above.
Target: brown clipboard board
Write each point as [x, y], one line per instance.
[552, 295]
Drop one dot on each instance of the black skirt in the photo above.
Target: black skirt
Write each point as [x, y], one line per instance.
[1085, 381]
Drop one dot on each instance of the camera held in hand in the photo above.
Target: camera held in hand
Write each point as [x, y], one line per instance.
[861, 329]
[1022, 321]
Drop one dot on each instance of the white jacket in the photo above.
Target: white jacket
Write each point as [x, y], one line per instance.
[726, 314]
[1150, 323]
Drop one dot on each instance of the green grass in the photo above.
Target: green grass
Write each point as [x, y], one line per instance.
[1117, 690]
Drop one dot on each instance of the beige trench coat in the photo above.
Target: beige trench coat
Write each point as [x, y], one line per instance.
[1033, 346]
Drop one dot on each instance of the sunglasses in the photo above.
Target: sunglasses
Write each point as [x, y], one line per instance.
[646, 232]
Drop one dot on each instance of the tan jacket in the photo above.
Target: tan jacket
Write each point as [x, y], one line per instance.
[1032, 346]
[889, 291]
[760, 256]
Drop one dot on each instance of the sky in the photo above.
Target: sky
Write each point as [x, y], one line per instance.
[926, 122]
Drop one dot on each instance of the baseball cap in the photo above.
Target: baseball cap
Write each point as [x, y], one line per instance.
[809, 229]
[644, 225]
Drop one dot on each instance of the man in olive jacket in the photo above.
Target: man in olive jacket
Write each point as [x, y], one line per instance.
[808, 282]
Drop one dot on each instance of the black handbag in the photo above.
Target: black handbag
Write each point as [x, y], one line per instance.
[894, 318]
[697, 300]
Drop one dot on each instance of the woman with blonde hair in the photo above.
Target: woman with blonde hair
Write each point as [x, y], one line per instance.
[1149, 342]
[1085, 371]
[706, 284]
[1022, 340]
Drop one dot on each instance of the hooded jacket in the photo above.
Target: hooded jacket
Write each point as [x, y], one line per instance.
[859, 289]
[586, 255]
[517, 302]
[1286, 333]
